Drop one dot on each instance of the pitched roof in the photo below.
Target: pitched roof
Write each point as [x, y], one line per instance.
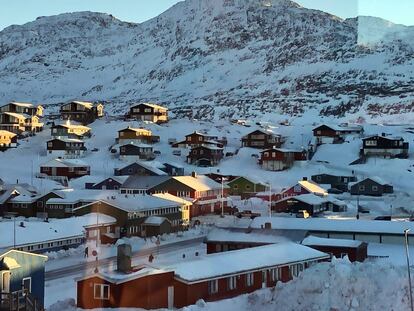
[151, 105]
[74, 126]
[64, 163]
[168, 196]
[155, 220]
[82, 103]
[283, 150]
[18, 115]
[7, 133]
[312, 187]
[199, 183]
[27, 105]
[143, 182]
[148, 167]
[317, 241]
[139, 130]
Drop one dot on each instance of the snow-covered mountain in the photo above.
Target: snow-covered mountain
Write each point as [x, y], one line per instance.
[218, 57]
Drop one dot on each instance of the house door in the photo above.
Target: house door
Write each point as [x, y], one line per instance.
[53, 171]
[27, 284]
[170, 297]
[5, 282]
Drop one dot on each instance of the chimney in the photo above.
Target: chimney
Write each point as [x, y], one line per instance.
[123, 260]
[383, 134]
[268, 225]
[193, 174]
[305, 178]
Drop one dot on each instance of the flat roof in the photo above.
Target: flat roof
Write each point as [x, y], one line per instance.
[317, 241]
[244, 260]
[37, 231]
[222, 235]
[334, 225]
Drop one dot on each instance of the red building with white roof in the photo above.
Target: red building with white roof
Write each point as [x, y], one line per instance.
[211, 277]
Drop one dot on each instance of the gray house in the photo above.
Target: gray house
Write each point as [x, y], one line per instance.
[372, 186]
[336, 181]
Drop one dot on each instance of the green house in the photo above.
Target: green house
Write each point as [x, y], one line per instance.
[245, 187]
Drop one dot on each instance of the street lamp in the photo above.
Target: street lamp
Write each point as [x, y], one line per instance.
[408, 267]
[270, 199]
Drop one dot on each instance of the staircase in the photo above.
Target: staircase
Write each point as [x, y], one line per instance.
[19, 301]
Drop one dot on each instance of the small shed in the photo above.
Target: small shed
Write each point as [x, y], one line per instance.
[355, 250]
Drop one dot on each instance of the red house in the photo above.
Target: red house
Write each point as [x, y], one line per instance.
[65, 168]
[212, 277]
[277, 159]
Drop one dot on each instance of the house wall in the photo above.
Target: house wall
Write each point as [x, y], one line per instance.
[64, 171]
[31, 266]
[148, 292]
[353, 253]
[368, 188]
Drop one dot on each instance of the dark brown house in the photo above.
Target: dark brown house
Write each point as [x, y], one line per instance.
[83, 112]
[197, 139]
[139, 168]
[68, 148]
[149, 112]
[329, 134]
[136, 152]
[262, 140]
[372, 186]
[385, 146]
[339, 248]
[205, 155]
[335, 181]
[65, 168]
[277, 159]
[136, 135]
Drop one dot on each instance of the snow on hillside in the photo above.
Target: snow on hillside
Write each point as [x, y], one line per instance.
[218, 58]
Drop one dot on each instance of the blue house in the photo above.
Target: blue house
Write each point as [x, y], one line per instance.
[22, 280]
[173, 169]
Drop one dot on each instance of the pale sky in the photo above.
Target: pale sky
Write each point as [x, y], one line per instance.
[23, 11]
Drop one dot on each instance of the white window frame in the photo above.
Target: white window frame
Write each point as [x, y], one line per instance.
[101, 291]
[249, 279]
[30, 284]
[213, 287]
[232, 283]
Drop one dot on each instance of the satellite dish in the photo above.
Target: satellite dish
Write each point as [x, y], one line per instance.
[94, 253]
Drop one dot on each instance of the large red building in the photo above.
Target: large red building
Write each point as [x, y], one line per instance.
[65, 168]
[211, 277]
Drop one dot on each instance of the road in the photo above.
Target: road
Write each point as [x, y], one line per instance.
[106, 262]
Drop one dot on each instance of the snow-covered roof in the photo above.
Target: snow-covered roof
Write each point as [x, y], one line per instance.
[155, 220]
[151, 105]
[117, 277]
[170, 197]
[148, 166]
[312, 187]
[71, 196]
[82, 103]
[210, 147]
[283, 150]
[222, 235]
[143, 182]
[7, 133]
[334, 225]
[140, 145]
[376, 179]
[309, 198]
[27, 105]
[38, 231]
[138, 130]
[18, 115]
[317, 241]
[65, 163]
[199, 183]
[342, 128]
[135, 202]
[244, 260]
[385, 137]
[67, 140]
[75, 126]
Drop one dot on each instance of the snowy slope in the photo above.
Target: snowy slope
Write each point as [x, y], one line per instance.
[216, 57]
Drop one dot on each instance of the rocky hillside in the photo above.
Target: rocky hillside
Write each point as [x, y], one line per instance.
[215, 58]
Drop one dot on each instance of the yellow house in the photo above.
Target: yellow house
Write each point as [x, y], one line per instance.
[185, 205]
[8, 139]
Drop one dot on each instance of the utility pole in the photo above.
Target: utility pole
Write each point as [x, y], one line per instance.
[222, 197]
[270, 200]
[408, 268]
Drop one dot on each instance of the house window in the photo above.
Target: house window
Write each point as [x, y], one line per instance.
[374, 188]
[249, 279]
[101, 291]
[361, 188]
[295, 270]
[213, 287]
[275, 274]
[371, 143]
[247, 187]
[318, 178]
[27, 284]
[232, 283]
[297, 189]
